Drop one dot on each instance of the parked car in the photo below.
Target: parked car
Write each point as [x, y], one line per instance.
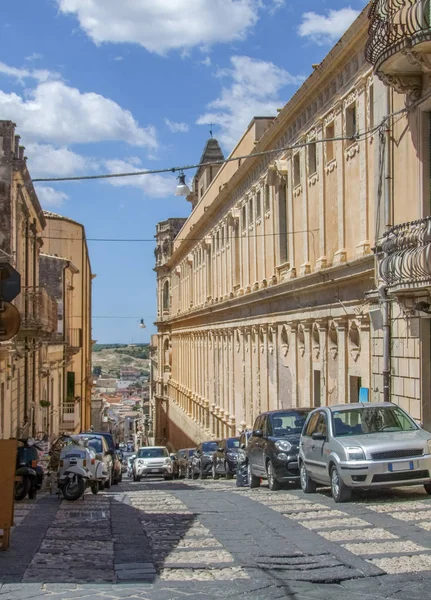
[106, 434]
[225, 458]
[180, 466]
[118, 469]
[201, 462]
[242, 465]
[152, 460]
[363, 446]
[272, 450]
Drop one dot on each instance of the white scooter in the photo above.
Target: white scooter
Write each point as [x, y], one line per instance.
[79, 468]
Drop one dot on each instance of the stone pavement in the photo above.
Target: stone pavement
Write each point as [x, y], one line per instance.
[161, 540]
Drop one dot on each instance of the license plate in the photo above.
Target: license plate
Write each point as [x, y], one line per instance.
[401, 466]
[154, 470]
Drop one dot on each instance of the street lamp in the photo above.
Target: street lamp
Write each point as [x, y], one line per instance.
[182, 188]
[142, 324]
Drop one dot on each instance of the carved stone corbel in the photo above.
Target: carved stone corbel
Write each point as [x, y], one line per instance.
[410, 85]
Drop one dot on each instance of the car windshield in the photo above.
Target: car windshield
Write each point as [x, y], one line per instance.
[152, 453]
[209, 446]
[96, 444]
[288, 422]
[371, 419]
[233, 443]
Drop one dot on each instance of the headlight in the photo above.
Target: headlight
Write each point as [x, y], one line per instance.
[429, 446]
[283, 446]
[282, 456]
[355, 454]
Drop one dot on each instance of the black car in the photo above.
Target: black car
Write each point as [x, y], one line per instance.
[181, 463]
[273, 447]
[202, 460]
[242, 465]
[225, 458]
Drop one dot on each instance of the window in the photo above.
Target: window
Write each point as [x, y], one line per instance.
[321, 426]
[258, 205]
[258, 423]
[209, 446]
[312, 158]
[369, 419]
[166, 295]
[266, 427]
[152, 453]
[244, 217]
[351, 121]
[250, 212]
[233, 443]
[70, 391]
[201, 192]
[296, 170]
[329, 144]
[288, 423]
[311, 425]
[267, 198]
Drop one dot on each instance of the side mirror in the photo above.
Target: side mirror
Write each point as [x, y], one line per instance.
[242, 446]
[258, 433]
[319, 436]
[173, 456]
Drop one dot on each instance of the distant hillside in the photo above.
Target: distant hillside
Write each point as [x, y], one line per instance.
[111, 358]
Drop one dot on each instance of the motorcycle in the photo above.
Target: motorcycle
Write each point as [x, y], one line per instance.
[29, 475]
[79, 468]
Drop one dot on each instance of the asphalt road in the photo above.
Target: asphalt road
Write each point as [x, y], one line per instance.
[197, 540]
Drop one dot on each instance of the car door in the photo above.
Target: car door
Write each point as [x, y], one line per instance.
[261, 443]
[265, 441]
[318, 454]
[307, 442]
[253, 448]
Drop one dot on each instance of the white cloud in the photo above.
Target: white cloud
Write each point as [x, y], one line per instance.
[41, 75]
[161, 25]
[323, 29]
[206, 62]
[49, 196]
[276, 5]
[156, 186]
[55, 112]
[254, 90]
[176, 127]
[34, 56]
[45, 160]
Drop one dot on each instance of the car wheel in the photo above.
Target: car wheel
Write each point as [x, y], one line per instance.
[427, 487]
[229, 475]
[253, 481]
[214, 472]
[308, 486]
[273, 483]
[340, 492]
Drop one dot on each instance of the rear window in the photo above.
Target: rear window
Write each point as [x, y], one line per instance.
[209, 446]
[233, 443]
[96, 445]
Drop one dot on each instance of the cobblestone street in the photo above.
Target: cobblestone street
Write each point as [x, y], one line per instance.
[161, 540]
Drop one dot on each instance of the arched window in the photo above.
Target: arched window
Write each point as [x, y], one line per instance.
[166, 295]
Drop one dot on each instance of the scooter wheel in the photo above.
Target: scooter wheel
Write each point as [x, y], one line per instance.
[74, 490]
[22, 488]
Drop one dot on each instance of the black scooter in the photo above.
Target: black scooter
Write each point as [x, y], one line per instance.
[28, 473]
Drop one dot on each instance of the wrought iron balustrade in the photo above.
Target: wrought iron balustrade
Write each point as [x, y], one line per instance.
[69, 416]
[395, 25]
[407, 255]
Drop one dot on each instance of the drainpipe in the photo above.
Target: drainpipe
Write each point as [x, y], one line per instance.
[385, 302]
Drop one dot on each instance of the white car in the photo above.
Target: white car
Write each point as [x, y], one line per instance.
[152, 460]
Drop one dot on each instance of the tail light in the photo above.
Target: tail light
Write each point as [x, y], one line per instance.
[84, 462]
[34, 464]
[93, 461]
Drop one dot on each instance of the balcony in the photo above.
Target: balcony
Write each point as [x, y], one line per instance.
[406, 262]
[69, 417]
[39, 313]
[73, 341]
[399, 43]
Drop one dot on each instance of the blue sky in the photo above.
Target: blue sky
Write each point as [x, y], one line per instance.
[103, 86]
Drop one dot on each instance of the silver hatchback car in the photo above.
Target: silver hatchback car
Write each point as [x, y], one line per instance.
[363, 446]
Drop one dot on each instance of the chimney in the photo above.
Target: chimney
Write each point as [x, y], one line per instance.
[21, 152]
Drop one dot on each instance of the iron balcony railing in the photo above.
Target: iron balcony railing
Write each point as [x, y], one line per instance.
[407, 255]
[394, 25]
[69, 416]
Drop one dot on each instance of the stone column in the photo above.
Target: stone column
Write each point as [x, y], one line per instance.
[321, 262]
[341, 324]
[364, 245]
[340, 255]
[323, 331]
[264, 374]
[293, 349]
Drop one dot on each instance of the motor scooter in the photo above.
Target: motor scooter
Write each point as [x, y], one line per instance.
[29, 475]
[79, 468]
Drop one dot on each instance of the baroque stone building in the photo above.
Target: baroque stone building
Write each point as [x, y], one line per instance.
[270, 296]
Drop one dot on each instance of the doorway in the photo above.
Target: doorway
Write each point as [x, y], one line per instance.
[317, 388]
[355, 386]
